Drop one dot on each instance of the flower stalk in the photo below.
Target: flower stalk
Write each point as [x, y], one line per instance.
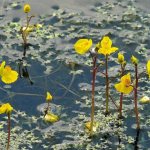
[135, 97]
[8, 137]
[107, 85]
[93, 93]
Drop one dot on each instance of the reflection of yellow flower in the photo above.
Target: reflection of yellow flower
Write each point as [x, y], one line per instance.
[125, 85]
[30, 28]
[148, 68]
[7, 74]
[48, 96]
[120, 58]
[82, 46]
[145, 100]
[105, 46]
[134, 60]
[88, 126]
[49, 117]
[26, 8]
[6, 108]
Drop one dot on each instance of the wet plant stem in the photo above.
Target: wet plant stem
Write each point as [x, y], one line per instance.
[135, 97]
[107, 85]
[121, 95]
[93, 93]
[8, 138]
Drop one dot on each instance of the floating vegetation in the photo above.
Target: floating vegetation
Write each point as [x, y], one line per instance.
[95, 61]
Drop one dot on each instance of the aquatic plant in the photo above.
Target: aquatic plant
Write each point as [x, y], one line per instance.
[81, 47]
[7, 109]
[105, 47]
[122, 63]
[135, 62]
[49, 116]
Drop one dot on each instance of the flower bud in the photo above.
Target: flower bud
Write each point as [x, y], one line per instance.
[134, 60]
[120, 58]
[27, 8]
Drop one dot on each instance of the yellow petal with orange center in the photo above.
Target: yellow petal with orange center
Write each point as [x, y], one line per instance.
[6, 108]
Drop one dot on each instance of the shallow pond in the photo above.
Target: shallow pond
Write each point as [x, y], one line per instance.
[53, 65]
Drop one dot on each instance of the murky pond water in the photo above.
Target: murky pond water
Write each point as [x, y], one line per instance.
[53, 65]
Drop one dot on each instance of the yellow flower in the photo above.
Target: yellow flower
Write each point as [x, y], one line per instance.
[6, 108]
[125, 85]
[2, 65]
[7, 74]
[48, 96]
[105, 46]
[148, 68]
[145, 100]
[120, 58]
[49, 117]
[27, 8]
[134, 60]
[82, 46]
[88, 126]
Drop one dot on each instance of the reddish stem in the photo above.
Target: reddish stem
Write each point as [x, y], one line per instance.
[107, 85]
[93, 93]
[8, 138]
[135, 98]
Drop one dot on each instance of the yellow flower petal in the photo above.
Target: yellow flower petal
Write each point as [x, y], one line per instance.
[51, 118]
[148, 68]
[82, 46]
[6, 108]
[9, 76]
[48, 96]
[125, 85]
[2, 65]
[26, 8]
[105, 46]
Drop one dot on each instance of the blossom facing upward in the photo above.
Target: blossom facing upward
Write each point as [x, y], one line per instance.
[105, 46]
[7, 74]
[134, 60]
[120, 58]
[26, 8]
[82, 46]
[125, 85]
[148, 68]
[48, 96]
[6, 108]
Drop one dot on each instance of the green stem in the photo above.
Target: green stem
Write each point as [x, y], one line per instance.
[135, 98]
[8, 138]
[93, 94]
[107, 85]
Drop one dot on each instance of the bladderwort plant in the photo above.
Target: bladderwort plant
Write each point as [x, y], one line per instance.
[7, 109]
[28, 27]
[105, 48]
[49, 116]
[8, 76]
[122, 63]
[83, 46]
